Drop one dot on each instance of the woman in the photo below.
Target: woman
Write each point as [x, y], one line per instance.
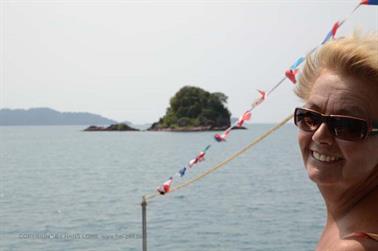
[338, 138]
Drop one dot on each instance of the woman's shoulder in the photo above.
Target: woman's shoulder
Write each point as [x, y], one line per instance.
[359, 241]
[363, 235]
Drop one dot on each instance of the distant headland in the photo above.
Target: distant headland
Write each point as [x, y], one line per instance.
[48, 116]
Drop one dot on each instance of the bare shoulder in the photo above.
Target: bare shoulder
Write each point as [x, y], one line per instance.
[356, 245]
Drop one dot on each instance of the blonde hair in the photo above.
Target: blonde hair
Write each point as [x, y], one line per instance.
[355, 56]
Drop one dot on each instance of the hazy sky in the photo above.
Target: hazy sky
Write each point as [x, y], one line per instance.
[126, 59]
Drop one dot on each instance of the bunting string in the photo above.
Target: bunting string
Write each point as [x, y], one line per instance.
[290, 74]
[224, 162]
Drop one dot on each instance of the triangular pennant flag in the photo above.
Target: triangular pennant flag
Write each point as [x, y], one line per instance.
[166, 187]
[369, 2]
[290, 74]
[332, 32]
[182, 171]
[246, 116]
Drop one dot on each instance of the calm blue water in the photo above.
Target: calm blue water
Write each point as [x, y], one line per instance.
[64, 189]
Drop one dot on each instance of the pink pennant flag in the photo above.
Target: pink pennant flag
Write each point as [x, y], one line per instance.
[200, 157]
[246, 116]
[260, 99]
[165, 188]
[219, 137]
[192, 162]
[222, 137]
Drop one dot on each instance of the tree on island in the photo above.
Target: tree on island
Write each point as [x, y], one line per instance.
[193, 107]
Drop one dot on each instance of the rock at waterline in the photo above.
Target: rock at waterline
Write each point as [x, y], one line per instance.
[113, 127]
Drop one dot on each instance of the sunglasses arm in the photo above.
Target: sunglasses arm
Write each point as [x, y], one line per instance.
[374, 130]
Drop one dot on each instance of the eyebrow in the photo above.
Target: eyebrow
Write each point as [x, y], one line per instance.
[312, 106]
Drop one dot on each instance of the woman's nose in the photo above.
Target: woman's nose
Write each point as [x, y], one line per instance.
[322, 135]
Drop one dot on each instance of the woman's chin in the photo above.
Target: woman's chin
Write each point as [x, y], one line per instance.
[321, 176]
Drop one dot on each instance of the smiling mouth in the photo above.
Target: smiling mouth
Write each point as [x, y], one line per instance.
[324, 158]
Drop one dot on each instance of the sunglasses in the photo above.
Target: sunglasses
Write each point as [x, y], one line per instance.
[340, 126]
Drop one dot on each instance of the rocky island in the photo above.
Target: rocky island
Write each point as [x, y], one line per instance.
[194, 109]
[113, 127]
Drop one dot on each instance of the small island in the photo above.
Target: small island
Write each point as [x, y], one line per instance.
[113, 127]
[194, 109]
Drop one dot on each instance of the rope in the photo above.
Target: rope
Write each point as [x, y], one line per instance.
[275, 87]
[223, 163]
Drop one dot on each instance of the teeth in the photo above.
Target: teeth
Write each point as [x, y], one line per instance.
[324, 158]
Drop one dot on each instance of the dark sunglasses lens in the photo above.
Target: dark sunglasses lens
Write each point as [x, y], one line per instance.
[307, 120]
[348, 128]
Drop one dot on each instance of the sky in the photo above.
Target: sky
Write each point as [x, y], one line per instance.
[125, 59]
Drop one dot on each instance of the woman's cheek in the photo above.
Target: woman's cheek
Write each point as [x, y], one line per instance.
[304, 140]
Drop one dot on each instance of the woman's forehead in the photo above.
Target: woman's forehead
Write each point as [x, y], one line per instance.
[332, 93]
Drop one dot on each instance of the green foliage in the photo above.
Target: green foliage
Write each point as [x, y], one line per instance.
[119, 127]
[193, 106]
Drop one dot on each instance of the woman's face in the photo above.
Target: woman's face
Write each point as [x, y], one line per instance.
[354, 161]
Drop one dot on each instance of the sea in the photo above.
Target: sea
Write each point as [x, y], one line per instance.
[66, 189]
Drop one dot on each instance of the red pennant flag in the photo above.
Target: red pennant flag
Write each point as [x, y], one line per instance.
[369, 2]
[200, 157]
[335, 27]
[166, 187]
[290, 74]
